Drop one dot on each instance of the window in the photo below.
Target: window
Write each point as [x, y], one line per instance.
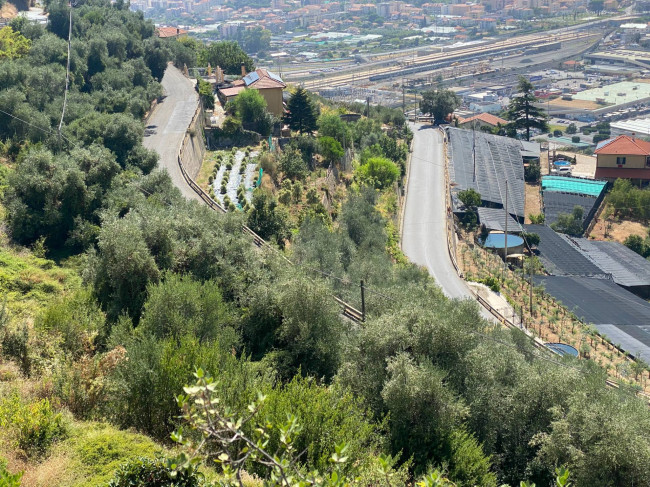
[620, 161]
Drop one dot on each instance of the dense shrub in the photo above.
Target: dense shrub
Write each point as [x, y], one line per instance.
[36, 425]
[76, 320]
[630, 201]
[378, 172]
[7, 479]
[154, 473]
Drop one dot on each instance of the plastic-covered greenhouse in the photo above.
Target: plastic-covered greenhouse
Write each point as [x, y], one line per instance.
[573, 185]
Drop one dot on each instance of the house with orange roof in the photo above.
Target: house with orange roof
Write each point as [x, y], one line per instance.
[170, 32]
[269, 85]
[482, 120]
[624, 157]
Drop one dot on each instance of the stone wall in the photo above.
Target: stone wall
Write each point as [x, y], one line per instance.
[193, 146]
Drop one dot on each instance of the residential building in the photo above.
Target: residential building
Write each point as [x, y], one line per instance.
[167, 32]
[269, 85]
[625, 157]
[482, 120]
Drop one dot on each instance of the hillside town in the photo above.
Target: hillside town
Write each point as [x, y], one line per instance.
[455, 19]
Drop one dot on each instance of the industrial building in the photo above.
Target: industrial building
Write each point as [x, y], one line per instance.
[484, 162]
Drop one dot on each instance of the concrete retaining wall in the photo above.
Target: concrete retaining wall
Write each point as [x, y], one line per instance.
[193, 146]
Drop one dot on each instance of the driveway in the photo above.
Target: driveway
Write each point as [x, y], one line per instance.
[168, 123]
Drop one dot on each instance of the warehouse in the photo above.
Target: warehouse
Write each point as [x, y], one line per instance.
[484, 162]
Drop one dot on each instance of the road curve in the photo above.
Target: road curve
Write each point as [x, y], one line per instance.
[424, 233]
[168, 123]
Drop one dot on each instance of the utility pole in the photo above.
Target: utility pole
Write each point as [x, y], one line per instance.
[505, 255]
[403, 98]
[415, 110]
[474, 147]
[368, 106]
[530, 287]
[363, 302]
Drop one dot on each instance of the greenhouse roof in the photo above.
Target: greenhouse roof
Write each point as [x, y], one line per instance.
[568, 184]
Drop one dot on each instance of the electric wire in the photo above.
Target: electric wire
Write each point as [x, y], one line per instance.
[67, 72]
[47, 131]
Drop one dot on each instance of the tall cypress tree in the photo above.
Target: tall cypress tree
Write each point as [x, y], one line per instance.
[522, 112]
[302, 112]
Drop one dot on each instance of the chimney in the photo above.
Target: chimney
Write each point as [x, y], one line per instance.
[243, 70]
[178, 31]
[633, 135]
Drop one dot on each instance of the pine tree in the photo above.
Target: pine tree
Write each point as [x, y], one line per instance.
[302, 113]
[522, 112]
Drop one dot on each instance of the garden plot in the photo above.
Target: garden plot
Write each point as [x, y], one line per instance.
[235, 179]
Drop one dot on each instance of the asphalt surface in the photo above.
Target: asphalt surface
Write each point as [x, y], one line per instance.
[168, 123]
[424, 236]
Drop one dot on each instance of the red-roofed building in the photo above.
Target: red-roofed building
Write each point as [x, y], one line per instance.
[267, 83]
[482, 120]
[623, 157]
[167, 32]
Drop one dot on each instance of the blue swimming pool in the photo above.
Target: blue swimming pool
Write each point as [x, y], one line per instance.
[562, 163]
[563, 349]
[498, 241]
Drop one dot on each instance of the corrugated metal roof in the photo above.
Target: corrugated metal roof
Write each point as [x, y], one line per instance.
[497, 159]
[529, 149]
[556, 203]
[560, 257]
[626, 266]
[494, 219]
[616, 312]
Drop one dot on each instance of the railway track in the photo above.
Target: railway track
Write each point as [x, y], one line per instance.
[446, 58]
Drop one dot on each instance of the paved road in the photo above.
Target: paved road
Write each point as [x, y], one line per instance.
[424, 238]
[168, 123]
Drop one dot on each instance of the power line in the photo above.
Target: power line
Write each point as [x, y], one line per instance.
[47, 131]
[67, 72]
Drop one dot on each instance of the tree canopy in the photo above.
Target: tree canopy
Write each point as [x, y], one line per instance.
[301, 112]
[378, 172]
[250, 107]
[228, 55]
[12, 44]
[439, 104]
[522, 112]
[570, 223]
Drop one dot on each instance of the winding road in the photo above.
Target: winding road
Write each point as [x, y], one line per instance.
[168, 123]
[424, 231]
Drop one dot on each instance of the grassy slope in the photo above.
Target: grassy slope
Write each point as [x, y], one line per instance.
[91, 452]
[89, 456]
